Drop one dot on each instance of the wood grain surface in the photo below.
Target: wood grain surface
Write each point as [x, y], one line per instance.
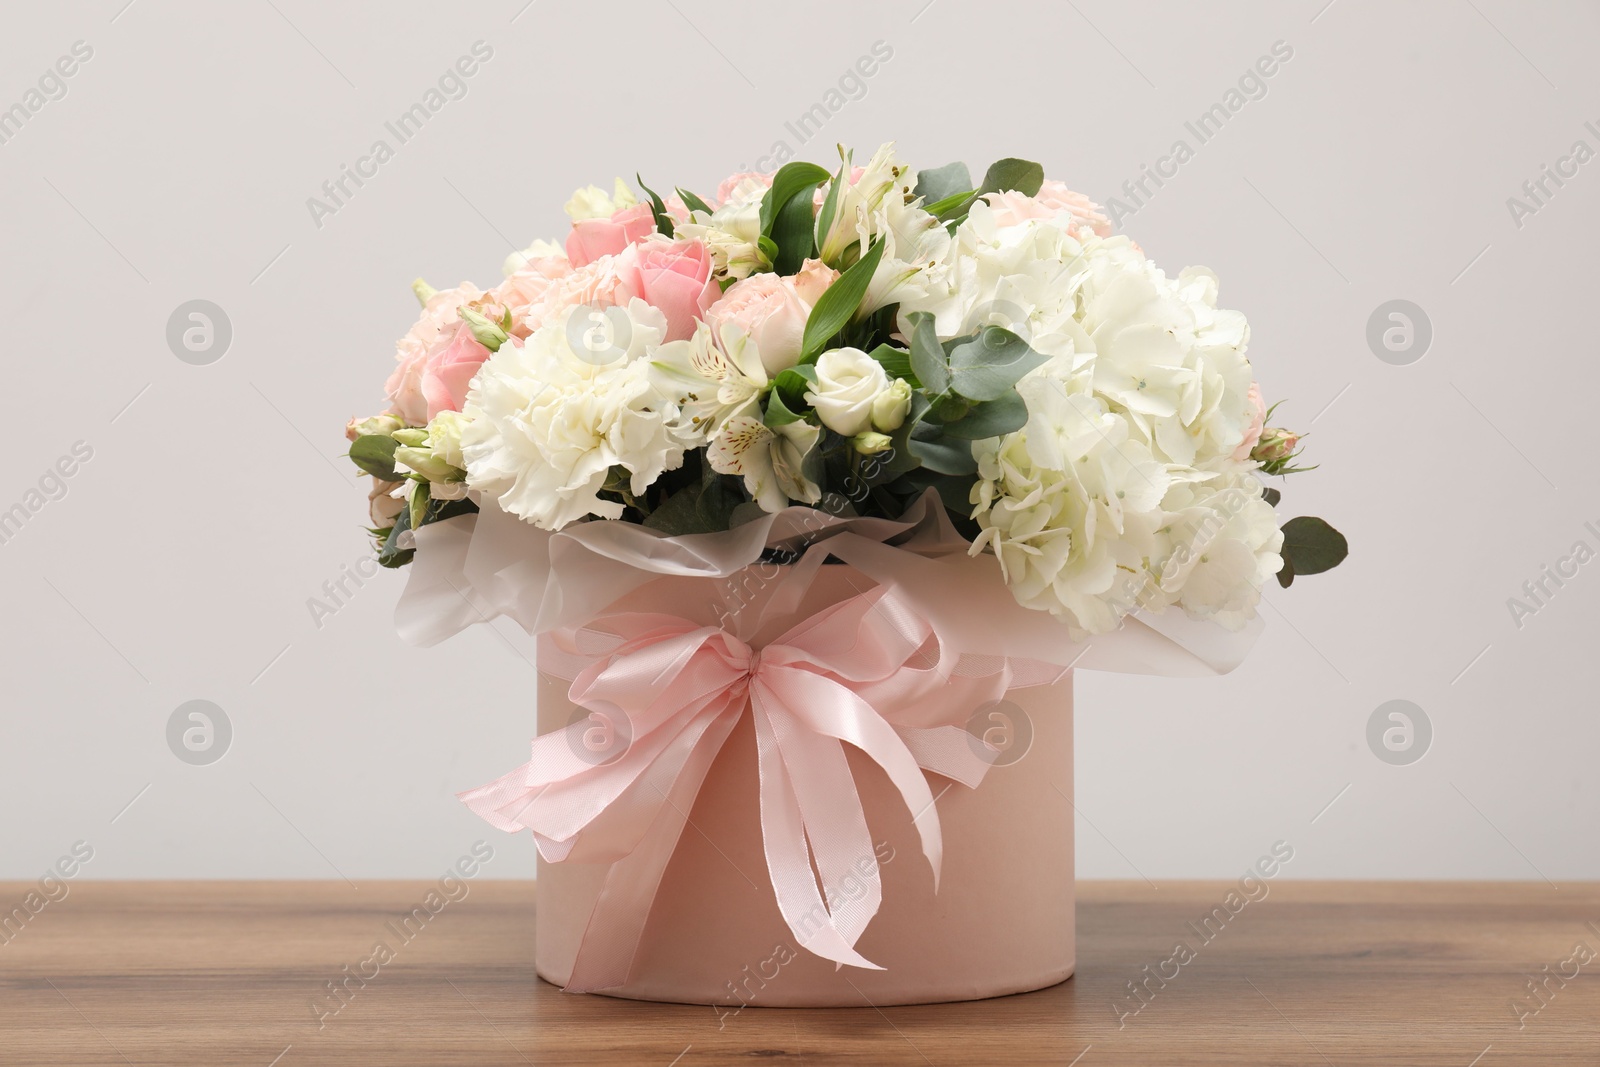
[1314, 973]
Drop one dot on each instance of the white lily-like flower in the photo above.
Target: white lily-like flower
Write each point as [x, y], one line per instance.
[771, 460]
[858, 198]
[711, 379]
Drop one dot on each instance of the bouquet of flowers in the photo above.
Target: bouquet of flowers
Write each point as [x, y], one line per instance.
[848, 340]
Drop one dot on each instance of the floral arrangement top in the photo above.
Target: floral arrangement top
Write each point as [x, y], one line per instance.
[850, 340]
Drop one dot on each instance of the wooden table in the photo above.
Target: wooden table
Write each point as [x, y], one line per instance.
[1316, 973]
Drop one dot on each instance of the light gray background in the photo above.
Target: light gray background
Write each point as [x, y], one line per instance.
[180, 564]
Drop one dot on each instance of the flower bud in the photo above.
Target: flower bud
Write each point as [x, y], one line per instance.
[422, 461]
[372, 426]
[1275, 446]
[870, 443]
[413, 436]
[891, 406]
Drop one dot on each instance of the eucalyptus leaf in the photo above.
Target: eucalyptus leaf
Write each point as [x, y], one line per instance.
[927, 354]
[944, 455]
[1271, 495]
[1005, 175]
[938, 183]
[678, 514]
[1004, 415]
[391, 554]
[1311, 546]
[374, 453]
[715, 504]
[835, 308]
[990, 363]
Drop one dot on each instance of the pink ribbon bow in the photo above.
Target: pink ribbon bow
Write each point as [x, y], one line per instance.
[852, 673]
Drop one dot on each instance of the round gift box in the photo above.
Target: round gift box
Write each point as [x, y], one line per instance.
[1001, 921]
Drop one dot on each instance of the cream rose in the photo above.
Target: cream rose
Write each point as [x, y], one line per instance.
[848, 382]
[768, 310]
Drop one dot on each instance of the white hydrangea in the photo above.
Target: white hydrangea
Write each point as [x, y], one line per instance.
[1022, 277]
[545, 427]
[1070, 504]
[1090, 523]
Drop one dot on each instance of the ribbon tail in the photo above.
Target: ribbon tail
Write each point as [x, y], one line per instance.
[616, 924]
[783, 834]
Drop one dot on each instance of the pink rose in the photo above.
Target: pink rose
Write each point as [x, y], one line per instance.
[770, 311]
[524, 288]
[813, 280]
[448, 371]
[607, 282]
[1258, 419]
[743, 187]
[1085, 212]
[1011, 208]
[675, 277]
[592, 238]
[439, 317]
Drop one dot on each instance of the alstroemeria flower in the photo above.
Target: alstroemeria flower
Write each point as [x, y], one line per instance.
[771, 460]
[710, 382]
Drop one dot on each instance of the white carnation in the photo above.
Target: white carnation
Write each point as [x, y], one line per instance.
[546, 427]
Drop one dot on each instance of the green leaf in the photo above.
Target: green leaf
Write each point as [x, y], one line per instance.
[1008, 414]
[990, 363]
[694, 203]
[658, 208]
[835, 308]
[944, 455]
[486, 332]
[791, 180]
[896, 363]
[374, 453]
[391, 555]
[1286, 575]
[1020, 174]
[792, 233]
[830, 206]
[1005, 175]
[417, 505]
[1311, 546]
[768, 248]
[927, 354]
[940, 183]
[778, 412]
[792, 384]
[1271, 495]
[677, 514]
[952, 206]
[714, 506]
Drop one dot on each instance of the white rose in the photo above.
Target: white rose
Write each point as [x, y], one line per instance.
[848, 381]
